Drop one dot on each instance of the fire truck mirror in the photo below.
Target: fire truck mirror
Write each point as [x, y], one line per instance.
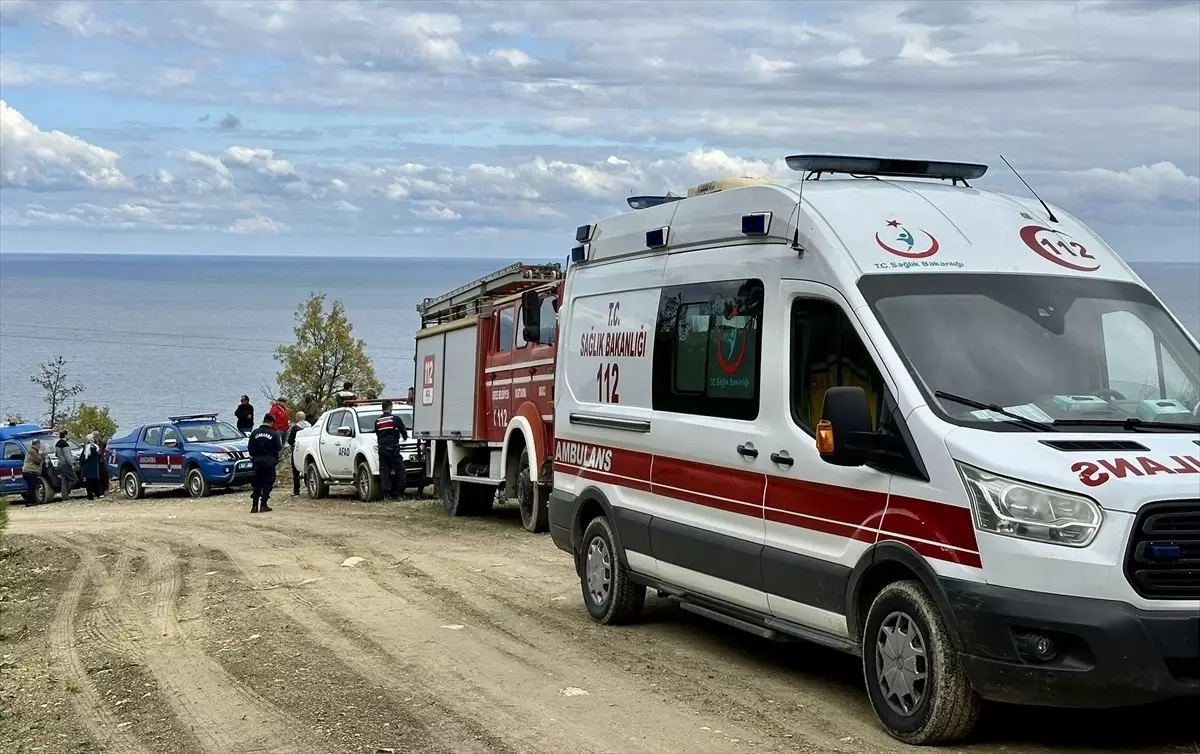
[531, 316]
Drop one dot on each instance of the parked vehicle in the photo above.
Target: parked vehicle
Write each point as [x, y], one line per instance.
[341, 448]
[484, 391]
[945, 429]
[15, 440]
[195, 451]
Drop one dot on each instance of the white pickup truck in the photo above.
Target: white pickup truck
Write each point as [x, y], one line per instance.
[341, 448]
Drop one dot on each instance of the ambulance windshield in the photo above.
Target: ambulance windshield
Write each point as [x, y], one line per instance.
[1047, 348]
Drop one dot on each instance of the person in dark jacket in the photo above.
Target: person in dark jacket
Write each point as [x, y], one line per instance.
[311, 409]
[389, 431]
[245, 415]
[265, 447]
[90, 462]
[103, 467]
[297, 425]
[67, 478]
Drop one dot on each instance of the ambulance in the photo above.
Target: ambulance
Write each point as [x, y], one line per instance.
[875, 408]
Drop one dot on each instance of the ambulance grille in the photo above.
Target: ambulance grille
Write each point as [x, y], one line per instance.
[1163, 561]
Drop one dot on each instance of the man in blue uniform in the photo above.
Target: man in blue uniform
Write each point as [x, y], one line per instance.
[389, 431]
[265, 447]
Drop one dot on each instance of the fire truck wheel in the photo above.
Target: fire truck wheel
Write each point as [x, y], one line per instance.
[366, 483]
[917, 684]
[611, 597]
[535, 513]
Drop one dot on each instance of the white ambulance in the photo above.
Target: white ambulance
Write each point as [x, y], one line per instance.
[945, 429]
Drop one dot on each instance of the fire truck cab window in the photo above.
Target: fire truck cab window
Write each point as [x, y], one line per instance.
[505, 331]
[827, 352]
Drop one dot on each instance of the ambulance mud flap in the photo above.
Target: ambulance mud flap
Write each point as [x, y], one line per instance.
[888, 556]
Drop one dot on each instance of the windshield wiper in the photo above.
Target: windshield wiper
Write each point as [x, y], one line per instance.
[1017, 418]
[1131, 424]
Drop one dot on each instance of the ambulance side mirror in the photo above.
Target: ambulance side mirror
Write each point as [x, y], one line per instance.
[844, 434]
[531, 316]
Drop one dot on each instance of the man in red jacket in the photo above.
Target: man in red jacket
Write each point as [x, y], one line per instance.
[279, 416]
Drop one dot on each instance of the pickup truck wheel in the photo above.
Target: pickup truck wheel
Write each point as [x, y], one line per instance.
[368, 484]
[317, 487]
[197, 485]
[131, 485]
[535, 513]
[43, 492]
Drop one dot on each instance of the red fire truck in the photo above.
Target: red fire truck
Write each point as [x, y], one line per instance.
[484, 396]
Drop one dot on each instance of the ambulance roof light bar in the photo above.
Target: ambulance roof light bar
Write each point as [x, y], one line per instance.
[646, 202]
[816, 164]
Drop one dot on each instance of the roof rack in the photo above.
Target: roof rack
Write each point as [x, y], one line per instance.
[470, 299]
[816, 164]
[188, 417]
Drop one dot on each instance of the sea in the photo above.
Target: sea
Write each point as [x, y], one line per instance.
[156, 335]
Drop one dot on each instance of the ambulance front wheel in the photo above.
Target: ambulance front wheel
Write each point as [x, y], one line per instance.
[917, 684]
[609, 593]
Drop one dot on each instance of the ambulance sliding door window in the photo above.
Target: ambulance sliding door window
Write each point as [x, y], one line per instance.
[707, 349]
[505, 330]
[827, 352]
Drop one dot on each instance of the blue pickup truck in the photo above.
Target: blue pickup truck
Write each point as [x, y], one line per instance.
[14, 440]
[196, 452]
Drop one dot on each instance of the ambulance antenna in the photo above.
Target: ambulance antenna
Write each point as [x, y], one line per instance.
[1045, 206]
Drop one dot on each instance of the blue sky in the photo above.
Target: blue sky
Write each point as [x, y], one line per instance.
[496, 127]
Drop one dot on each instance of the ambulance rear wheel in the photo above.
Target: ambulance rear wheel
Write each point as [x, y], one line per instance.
[131, 485]
[609, 593]
[917, 684]
[535, 513]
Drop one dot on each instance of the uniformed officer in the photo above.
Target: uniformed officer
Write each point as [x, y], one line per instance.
[265, 447]
[389, 431]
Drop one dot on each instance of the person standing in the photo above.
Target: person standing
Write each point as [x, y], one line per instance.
[311, 410]
[66, 466]
[89, 466]
[389, 431]
[345, 394]
[245, 415]
[103, 483]
[31, 471]
[299, 424]
[265, 448]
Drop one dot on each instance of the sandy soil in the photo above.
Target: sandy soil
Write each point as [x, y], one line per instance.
[179, 626]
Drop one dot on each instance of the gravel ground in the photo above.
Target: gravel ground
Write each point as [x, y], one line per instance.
[180, 626]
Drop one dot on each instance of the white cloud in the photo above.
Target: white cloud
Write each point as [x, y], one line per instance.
[436, 213]
[1141, 184]
[766, 65]
[262, 161]
[46, 160]
[341, 205]
[851, 57]
[257, 224]
[512, 58]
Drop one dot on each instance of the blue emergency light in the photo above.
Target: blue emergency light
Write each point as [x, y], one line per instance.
[191, 417]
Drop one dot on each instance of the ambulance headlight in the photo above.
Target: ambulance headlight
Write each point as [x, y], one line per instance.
[1018, 509]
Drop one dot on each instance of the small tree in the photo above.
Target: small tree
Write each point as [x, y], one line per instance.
[87, 419]
[325, 355]
[52, 378]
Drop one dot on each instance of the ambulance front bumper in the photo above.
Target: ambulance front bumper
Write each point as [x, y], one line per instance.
[1026, 647]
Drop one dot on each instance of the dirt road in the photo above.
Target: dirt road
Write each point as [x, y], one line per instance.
[182, 627]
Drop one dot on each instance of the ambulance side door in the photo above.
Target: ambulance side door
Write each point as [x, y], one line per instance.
[820, 518]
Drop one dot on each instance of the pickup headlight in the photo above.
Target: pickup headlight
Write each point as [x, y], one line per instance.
[218, 457]
[1026, 511]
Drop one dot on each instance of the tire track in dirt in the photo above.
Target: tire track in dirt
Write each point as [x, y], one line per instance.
[99, 721]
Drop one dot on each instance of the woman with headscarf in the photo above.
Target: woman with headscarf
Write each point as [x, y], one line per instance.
[89, 466]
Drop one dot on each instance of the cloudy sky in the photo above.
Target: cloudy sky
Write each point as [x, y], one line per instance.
[296, 126]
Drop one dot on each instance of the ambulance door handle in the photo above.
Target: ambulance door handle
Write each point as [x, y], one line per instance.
[782, 458]
[748, 450]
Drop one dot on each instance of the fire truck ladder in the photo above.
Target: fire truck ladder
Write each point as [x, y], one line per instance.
[471, 299]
